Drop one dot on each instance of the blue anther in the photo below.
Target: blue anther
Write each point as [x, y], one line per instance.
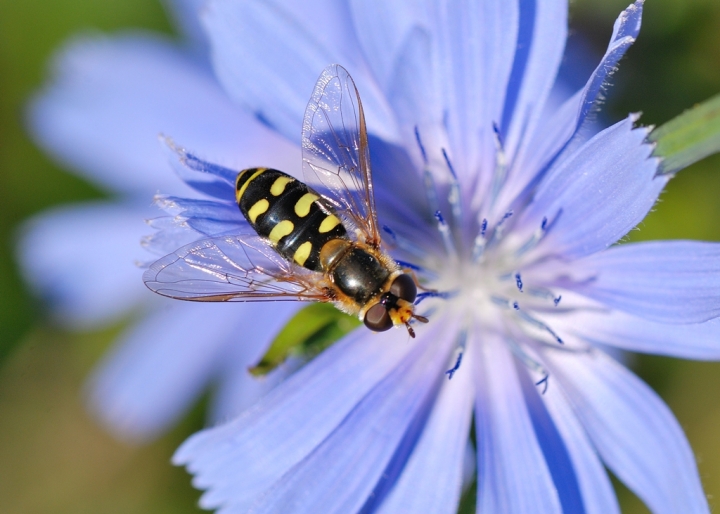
[389, 231]
[534, 239]
[540, 325]
[404, 264]
[483, 227]
[556, 301]
[496, 129]
[518, 282]
[516, 306]
[431, 294]
[403, 243]
[419, 142]
[456, 367]
[545, 381]
[449, 164]
[439, 217]
[548, 225]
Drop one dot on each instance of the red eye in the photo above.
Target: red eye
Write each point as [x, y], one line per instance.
[377, 318]
[404, 287]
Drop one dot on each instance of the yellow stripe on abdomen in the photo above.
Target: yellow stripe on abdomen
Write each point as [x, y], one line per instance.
[302, 207]
[241, 191]
[281, 230]
[260, 207]
[302, 253]
[279, 185]
[328, 224]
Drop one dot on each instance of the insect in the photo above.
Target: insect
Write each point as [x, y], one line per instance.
[316, 240]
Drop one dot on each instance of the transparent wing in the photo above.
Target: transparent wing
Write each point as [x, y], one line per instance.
[336, 160]
[231, 268]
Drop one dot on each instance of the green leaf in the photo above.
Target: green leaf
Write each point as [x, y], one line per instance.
[686, 139]
[307, 334]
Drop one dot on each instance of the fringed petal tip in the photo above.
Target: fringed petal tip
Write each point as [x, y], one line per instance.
[207, 178]
[646, 143]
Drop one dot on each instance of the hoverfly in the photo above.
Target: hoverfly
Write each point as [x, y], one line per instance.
[317, 240]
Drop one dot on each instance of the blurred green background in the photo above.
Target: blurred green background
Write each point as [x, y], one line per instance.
[54, 459]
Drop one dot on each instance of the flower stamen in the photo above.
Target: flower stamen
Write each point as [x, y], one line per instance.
[541, 292]
[529, 362]
[403, 244]
[459, 351]
[500, 166]
[446, 234]
[497, 233]
[428, 180]
[454, 198]
[433, 294]
[480, 242]
[538, 324]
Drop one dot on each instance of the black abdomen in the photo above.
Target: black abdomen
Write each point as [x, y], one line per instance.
[287, 212]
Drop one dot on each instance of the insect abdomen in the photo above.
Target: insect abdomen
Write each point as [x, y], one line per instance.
[288, 213]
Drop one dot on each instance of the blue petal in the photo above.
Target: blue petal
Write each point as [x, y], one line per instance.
[159, 368]
[598, 496]
[664, 281]
[447, 81]
[625, 31]
[614, 328]
[478, 40]
[416, 100]
[554, 134]
[111, 97]
[170, 234]
[204, 216]
[634, 432]
[82, 260]
[598, 194]
[240, 460]
[393, 171]
[190, 208]
[268, 55]
[203, 176]
[382, 28]
[512, 473]
[557, 456]
[541, 41]
[346, 472]
[433, 477]
[167, 360]
[236, 390]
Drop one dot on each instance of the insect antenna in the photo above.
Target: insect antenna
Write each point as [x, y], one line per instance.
[410, 330]
[421, 319]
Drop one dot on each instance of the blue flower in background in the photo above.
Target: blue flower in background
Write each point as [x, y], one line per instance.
[101, 114]
[462, 121]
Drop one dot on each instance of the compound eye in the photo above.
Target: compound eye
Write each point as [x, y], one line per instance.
[377, 318]
[404, 287]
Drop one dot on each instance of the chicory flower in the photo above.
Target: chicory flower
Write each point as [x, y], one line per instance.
[510, 216]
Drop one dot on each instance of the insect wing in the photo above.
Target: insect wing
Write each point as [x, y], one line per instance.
[230, 268]
[336, 160]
